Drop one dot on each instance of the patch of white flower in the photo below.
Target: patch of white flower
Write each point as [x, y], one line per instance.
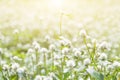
[70, 63]
[87, 61]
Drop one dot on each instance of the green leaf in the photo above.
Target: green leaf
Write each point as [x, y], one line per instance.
[14, 77]
[1, 76]
[114, 78]
[0, 68]
[95, 74]
[66, 75]
[58, 76]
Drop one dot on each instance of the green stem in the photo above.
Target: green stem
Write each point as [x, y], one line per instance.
[61, 64]
[87, 48]
[52, 61]
[60, 23]
[45, 63]
[91, 55]
[37, 61]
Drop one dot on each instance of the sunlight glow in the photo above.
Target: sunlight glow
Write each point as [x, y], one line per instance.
[57, 3]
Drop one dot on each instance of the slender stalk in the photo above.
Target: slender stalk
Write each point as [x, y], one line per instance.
[91, 55]
[60, 23]
[33, 64]
[61, 64]
[87, 48]
[52, 55]
[36, 57]
[45, 63]
[37, 62]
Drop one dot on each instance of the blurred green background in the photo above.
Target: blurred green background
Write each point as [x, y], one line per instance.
[35, 19]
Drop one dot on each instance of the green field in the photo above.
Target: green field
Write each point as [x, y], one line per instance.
[59, 40]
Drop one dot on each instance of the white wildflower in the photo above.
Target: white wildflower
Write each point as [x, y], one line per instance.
[43, 50]
[52, 47]
[110, 67]
[17, 58]
[87, 61]
[103, 56]
[43, 71]
[116, 64]
[70, 63]
[38, 77]
[36, 45]
[47, 38]
[83, 33]
[48, 78]
[66, 70]
[104, 46]
[5, 67]
[16, 31]
[30, 51]
[77, 53]
[15, 66]
[20, 70]
[94, 41]
[65, 51]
